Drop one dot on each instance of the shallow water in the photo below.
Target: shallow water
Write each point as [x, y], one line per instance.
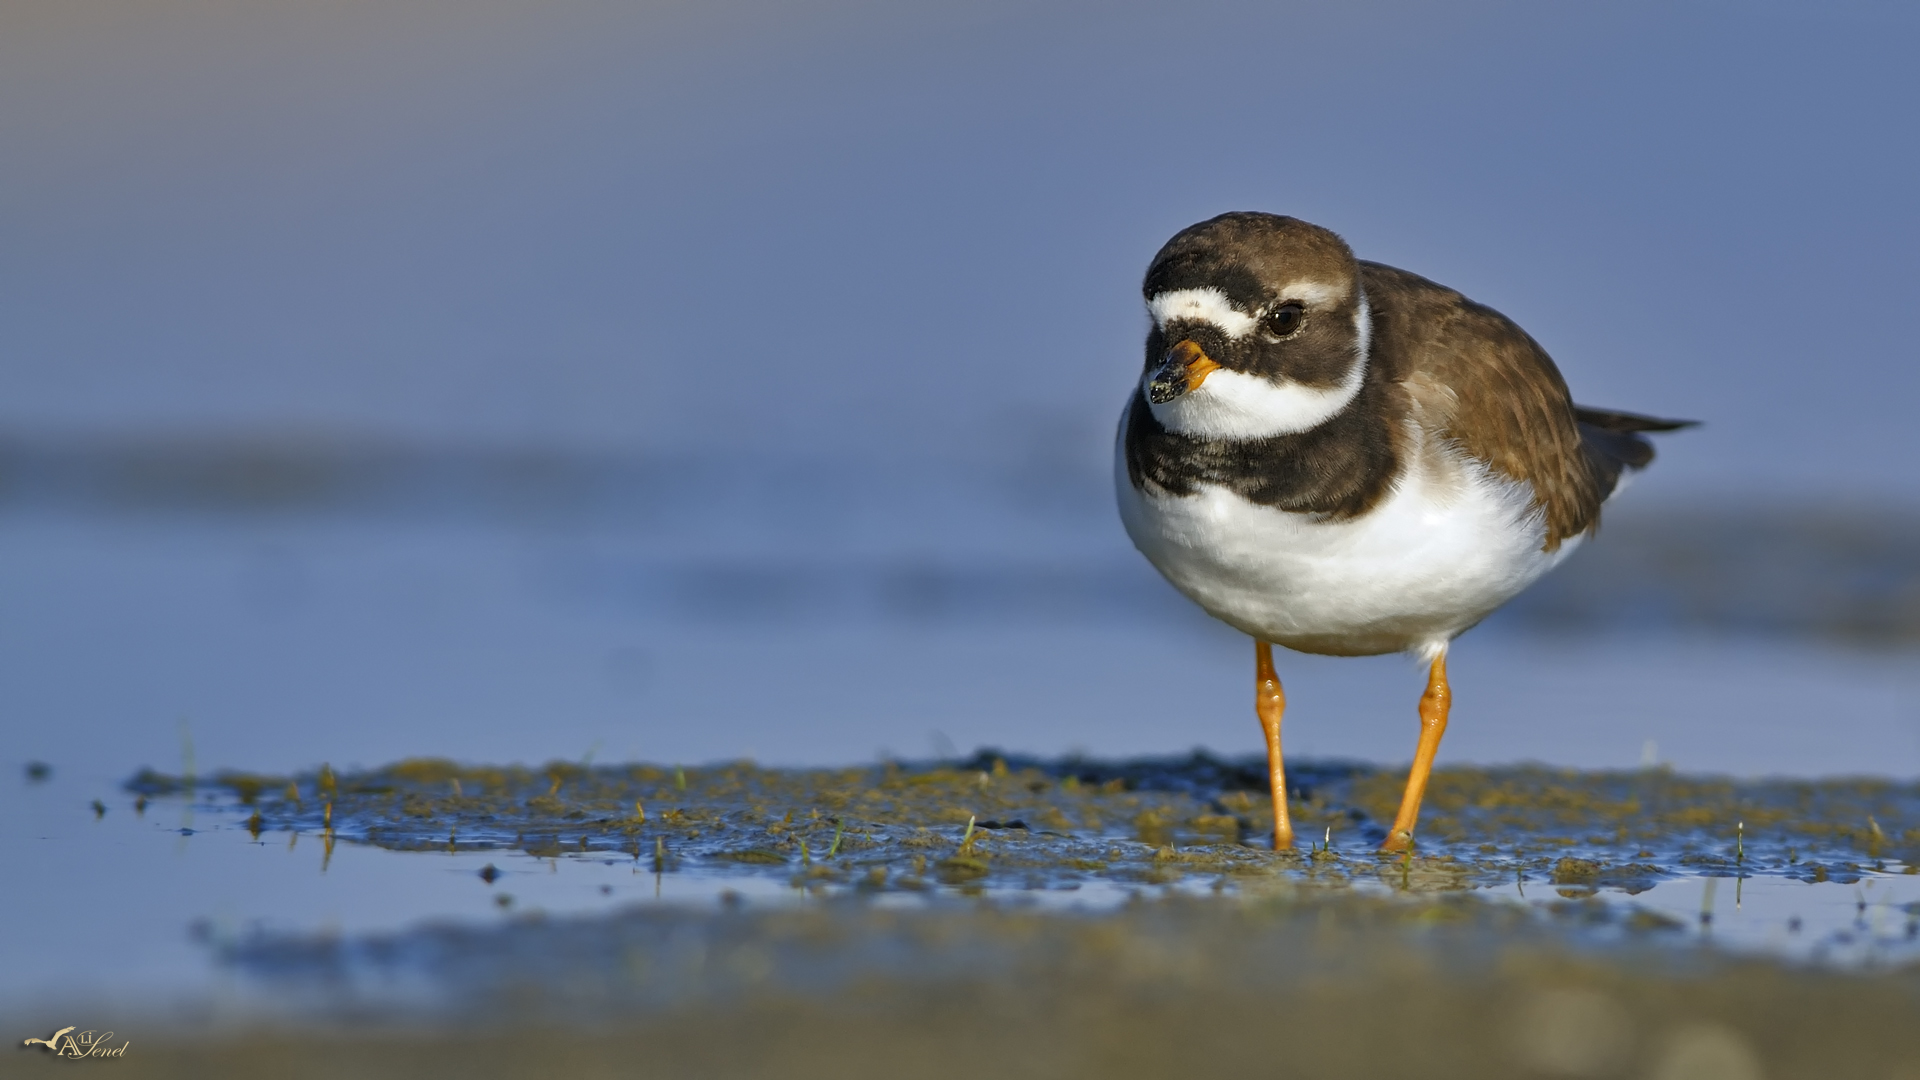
[286, 642]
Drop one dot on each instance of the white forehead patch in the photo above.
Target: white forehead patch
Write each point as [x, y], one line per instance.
[1234, 405]
[1208, 305]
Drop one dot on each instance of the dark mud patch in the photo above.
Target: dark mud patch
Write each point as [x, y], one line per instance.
[1006, 822]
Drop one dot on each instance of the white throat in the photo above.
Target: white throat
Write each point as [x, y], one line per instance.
[1234, 405]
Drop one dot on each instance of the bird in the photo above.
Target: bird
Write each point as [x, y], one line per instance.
[1344, 458]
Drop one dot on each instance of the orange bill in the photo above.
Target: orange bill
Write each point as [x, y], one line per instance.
[1187, 366]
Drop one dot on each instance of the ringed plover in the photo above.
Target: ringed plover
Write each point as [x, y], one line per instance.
[1344, 458]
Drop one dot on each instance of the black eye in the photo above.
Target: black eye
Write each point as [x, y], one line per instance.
[1282, 320]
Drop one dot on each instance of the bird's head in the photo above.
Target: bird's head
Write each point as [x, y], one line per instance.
[1260, 328]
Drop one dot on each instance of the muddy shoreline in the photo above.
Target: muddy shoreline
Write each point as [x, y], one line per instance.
[1009, 820]
[1063, 917]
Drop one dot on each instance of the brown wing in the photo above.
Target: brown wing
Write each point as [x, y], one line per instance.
[1479, 381]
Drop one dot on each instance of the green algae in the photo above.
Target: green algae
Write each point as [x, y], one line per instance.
[1000, 821]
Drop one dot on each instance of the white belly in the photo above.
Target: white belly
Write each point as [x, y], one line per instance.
[1449, 544]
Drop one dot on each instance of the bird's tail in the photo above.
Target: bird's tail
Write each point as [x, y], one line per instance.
[1615, 441]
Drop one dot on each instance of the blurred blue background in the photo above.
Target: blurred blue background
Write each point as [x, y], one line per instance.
[513, 380]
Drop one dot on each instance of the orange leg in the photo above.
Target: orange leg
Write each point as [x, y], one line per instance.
[1433, 724]
[1270, 702]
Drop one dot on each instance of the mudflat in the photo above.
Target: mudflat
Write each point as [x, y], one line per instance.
[1024, 917]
